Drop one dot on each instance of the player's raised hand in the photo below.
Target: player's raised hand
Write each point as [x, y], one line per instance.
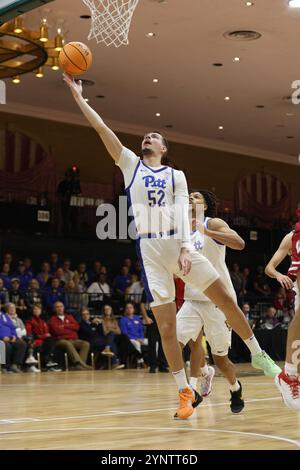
[285, 281]
[184, 261]
[75, 87]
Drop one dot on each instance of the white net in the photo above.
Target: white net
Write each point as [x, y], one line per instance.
[111, 20]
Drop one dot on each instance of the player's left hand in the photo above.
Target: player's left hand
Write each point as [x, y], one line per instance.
[184, 261]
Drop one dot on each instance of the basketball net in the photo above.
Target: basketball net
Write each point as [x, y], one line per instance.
[111, 20]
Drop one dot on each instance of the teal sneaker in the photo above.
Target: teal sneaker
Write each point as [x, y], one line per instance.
[264, 362]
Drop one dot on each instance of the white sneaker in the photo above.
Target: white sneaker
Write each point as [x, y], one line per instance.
[289, 387]
[31, 360]
[33, 369]
[206, 385]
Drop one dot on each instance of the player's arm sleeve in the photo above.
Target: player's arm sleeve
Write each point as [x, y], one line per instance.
[182, 209]
[128, 163]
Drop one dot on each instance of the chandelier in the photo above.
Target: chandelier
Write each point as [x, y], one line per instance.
[23, 50]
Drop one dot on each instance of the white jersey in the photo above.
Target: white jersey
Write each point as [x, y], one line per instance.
[151, 194]
[215, 252]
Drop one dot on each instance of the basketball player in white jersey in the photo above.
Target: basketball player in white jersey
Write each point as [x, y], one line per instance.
[198, 312]
[161, 194]
[288, 381]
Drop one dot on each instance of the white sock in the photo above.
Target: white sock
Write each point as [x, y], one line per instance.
[181, 379]
[235, 387]
[204, 370]
[290, 369]
[193, 382]
[252, 345]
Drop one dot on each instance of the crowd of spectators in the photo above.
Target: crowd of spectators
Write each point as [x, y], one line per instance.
[61, 309]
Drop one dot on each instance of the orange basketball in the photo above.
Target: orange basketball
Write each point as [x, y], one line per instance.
[75, 58]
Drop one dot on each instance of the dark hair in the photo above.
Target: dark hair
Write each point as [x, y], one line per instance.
[128, 303]
[211, 201]
[164, 159]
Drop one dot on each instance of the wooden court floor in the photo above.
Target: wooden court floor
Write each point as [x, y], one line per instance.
[132, 410]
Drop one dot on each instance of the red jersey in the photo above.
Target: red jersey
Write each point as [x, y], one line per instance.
[295, 264]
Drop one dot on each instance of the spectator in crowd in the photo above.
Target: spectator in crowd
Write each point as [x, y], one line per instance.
[128, 263]
[270, 321]
[44, 277]
[261, 284]
[131, 326]
[74, 299]
[67, 273]
[3, 295]
[137, 269]
[279, 301]
[248, 293]
[54, 262]
[122, 281]
[23, 277]
[38, 329]
[28, 266]
[53, 294]
[64, 329]
[81, 277]
[135, 290]
[33, 296]
[22, 335]
[94, 330]
[124, 345]
[94, 273]
[5, 275]
[14, 348]
[15, 296]
[99, 292]
[156, 355]
[8, 259]
[237, 281]
[59, 274]
[2, 354]
[247, 312]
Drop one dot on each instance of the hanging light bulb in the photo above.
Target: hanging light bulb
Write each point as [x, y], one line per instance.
[55, 63]
[44, 31]
[39, 73]
[16, 80]
[18, 25]
[59, 41]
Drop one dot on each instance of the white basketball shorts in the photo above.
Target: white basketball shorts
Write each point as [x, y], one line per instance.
[195, 315]
[159, 263]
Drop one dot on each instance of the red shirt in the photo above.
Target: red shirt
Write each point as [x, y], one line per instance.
[64, 329]
[38, 328]
[295, 265]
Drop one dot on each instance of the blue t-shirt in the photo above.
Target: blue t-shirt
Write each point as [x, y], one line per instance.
[132, 327]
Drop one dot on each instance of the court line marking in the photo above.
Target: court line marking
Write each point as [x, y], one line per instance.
[139, 428]
[119, 412]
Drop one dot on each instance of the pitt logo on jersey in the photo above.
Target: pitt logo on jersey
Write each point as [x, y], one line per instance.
[198, 245]
[151, 182]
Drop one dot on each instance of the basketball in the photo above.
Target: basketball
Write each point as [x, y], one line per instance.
[75, 58]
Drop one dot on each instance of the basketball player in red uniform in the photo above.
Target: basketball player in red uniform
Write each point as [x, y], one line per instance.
[288, 381]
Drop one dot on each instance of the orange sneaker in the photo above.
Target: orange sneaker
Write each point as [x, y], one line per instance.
[186, 397]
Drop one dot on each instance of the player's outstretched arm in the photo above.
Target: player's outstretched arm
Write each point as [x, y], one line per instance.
[283, 250]
[220, 231]
[109, 138]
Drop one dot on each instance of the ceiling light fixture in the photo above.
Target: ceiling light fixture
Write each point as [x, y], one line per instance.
[18, 25]
[39, 73]
[155, 80]
[236, 59]
[221, 128]
[249, 4]
[44, 31]
[16, 80]
[157, 114]
[150, 35]
[227, 98]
